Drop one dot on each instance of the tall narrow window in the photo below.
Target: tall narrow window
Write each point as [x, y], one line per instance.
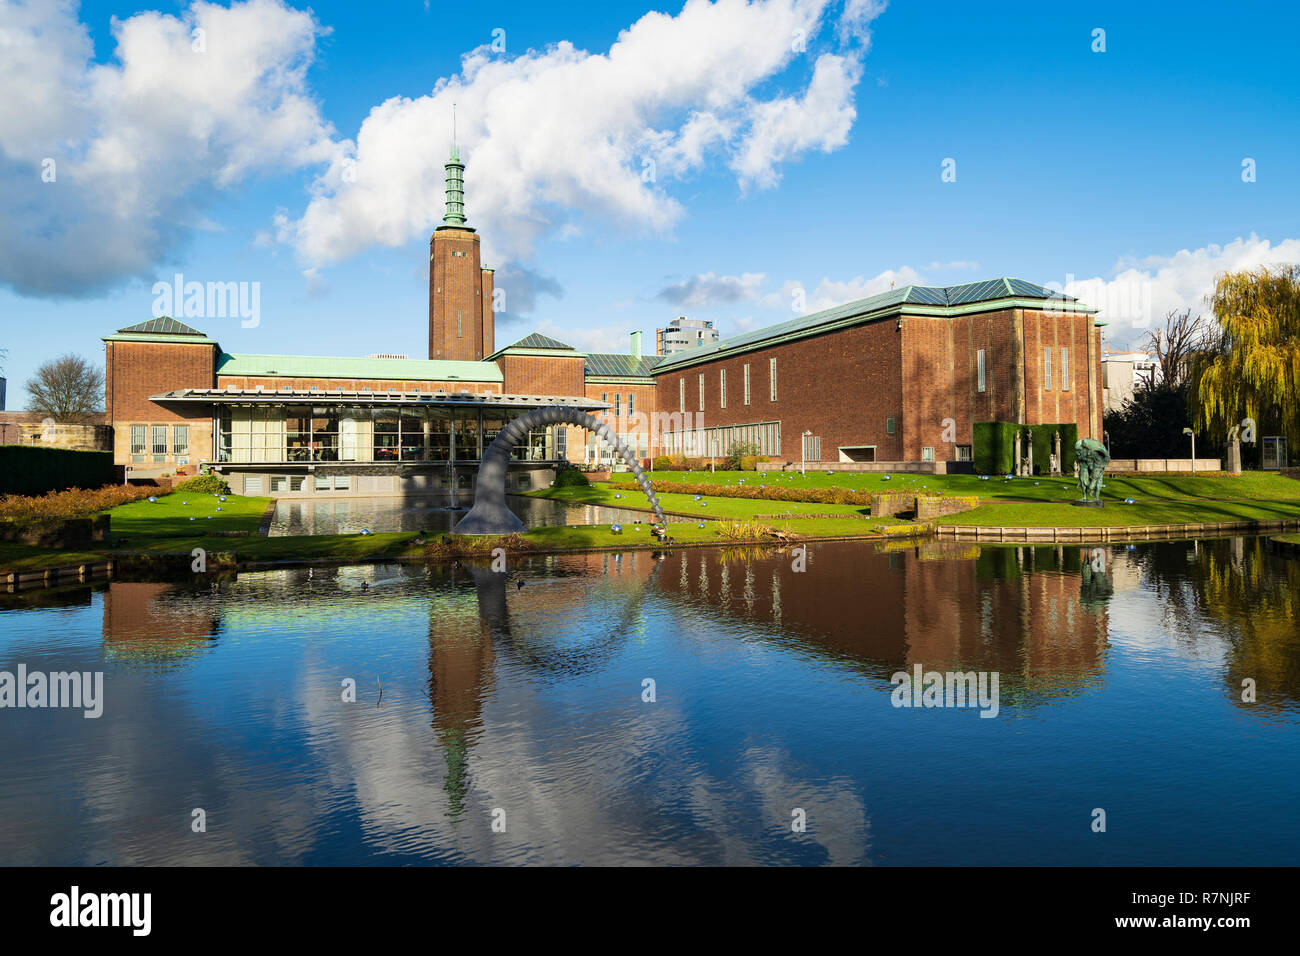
[980, 370]
[630, 410]
[771, 376]
[681, 390]
[1065, 370]
[701, 391]
[137, 439]
[1047, 369]
[159, 442]
[617, 404]
[722, 388]
[746, 383]
[458, 335]
[180, 439]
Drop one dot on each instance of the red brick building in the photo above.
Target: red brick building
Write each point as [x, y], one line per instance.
[896, 379]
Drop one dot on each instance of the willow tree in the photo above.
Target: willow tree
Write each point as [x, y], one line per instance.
[1250, 366]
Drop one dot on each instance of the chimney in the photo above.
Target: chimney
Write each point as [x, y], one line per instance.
[636, 344]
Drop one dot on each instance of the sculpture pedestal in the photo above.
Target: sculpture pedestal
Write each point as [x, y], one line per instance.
[1087, 504]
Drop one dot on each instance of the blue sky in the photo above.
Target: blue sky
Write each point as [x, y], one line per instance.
[821, 172]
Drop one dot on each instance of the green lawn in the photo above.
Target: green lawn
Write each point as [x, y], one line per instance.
[170, 516]
[1116, 514]
[719, 507]
[1249, 485]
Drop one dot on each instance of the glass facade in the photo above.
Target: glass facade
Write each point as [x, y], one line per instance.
[292, 433]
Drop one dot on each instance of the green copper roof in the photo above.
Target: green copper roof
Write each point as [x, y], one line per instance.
[928, 300]
[164, 325]
[539, 341]
[614, 365]
[322, 366]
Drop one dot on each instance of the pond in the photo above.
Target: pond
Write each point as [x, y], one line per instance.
[693, 706]
[437, 514]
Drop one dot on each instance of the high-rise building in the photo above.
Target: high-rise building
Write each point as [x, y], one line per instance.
[683, 333]
[461, 326]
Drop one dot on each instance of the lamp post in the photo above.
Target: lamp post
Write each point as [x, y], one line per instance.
[1188, 431]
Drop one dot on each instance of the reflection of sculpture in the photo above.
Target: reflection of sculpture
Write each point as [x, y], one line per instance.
[1093, 459]
[490, 514]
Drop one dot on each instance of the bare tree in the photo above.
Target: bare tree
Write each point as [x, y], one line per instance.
[1175, 344]
[66, 389]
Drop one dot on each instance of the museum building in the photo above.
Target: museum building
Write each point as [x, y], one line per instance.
[894, 380]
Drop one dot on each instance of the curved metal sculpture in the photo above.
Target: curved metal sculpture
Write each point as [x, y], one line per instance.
[490, 514]
[1093, 459]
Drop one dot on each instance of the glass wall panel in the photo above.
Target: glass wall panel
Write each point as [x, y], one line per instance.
[325, 433]
[387, 425]
[466, 423]
[414, 434]
[439, 444]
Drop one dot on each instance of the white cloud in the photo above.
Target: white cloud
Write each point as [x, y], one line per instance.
[1142, 291]
[561, 132]
[140, 141]
[829, 292]
[710, 289]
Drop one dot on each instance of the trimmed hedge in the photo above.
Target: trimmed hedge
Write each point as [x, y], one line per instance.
[995, 446]
[34, 470]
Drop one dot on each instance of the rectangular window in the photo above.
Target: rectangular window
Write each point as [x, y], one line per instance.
[927, 453]
[458, 335]
[889, 426]
[561, 443]
[180, 439]
[137, 439]
[630, 411]
[323, 483]
[279, 483]
[722, 388]
[342, 482]
[980, 370]
[159, 442]
[618, 404]
[1047, 369]
[252, 484]
[746, 383]
[295, 484]
[701, 391]
[1065, 370]
[681, 389]
[964, 453]
[771, 379]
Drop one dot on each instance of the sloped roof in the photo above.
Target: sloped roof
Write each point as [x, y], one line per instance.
[954, 297]
[615, 365]
[539, 341]
[163, 325]
[328, 366]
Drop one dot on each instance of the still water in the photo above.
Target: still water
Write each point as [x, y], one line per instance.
[478, 700]
[437, 514]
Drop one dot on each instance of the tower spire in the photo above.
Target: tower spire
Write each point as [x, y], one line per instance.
[455, 169]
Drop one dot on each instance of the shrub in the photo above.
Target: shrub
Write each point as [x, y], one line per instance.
[34, 470]
[825, 496]
[74, 503]
[662, 463]
[738, 451]
[749, 463]
[570, 478]
[209, 484]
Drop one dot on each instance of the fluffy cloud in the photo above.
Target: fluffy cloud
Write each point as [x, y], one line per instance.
[710, 289]
[104, 168]
[561, 132]
[1141, 291]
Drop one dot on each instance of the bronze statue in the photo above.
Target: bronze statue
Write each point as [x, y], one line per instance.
[1092, 458]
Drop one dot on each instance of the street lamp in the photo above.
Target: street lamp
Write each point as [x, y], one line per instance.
[1188, 431]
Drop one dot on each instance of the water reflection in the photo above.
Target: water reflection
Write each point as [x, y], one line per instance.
[436, 514]
[523, 693]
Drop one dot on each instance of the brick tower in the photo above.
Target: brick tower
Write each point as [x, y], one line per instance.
[460, 289]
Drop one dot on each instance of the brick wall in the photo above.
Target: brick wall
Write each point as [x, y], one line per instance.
[455, 286]
[542, 374]
[842, 386]
[135, 370]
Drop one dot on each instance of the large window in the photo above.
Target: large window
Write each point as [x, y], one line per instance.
[159, 443]
[771, 375]
[1047, 369]
[701, 391]
[180, 439]
[722, 388]
[746, 383]
[981, 371]
[1065, 370]
[137, 441]
[681, 394]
